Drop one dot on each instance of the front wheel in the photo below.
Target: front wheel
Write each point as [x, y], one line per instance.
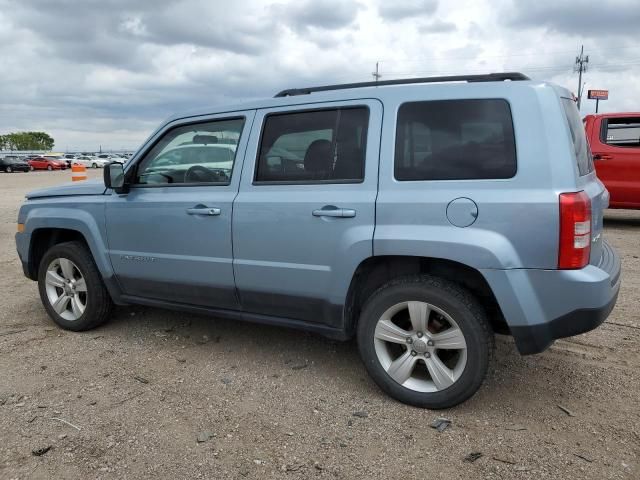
[71, 288]
[49, 167]
[95, 165]
[425, 341]
[9, 170]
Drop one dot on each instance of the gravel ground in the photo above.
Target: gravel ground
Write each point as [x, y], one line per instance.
[157, 394]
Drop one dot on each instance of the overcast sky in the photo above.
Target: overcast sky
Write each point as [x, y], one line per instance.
[107, 72]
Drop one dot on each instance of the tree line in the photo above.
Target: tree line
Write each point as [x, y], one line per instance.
[26, 141]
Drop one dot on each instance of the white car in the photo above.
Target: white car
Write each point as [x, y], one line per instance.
[111, 157]
[91, 161]
[213, 161]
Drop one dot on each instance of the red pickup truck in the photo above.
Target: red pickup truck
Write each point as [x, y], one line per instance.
[615, 143]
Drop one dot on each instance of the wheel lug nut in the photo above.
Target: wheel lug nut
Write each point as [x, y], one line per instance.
[413, 353]
[409, 340]
[427, 355]
[419, 334]
[430, 343]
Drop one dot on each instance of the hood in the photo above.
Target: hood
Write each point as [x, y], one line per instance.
[88, 187]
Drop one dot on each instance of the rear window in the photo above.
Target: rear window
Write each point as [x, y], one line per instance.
[622, 132]
[578, 137]
[455, 140]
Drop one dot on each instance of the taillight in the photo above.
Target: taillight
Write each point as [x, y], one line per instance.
[575, 230]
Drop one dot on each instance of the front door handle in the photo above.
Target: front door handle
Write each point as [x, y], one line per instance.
[602, 156]
[333, 211]
[204, 210]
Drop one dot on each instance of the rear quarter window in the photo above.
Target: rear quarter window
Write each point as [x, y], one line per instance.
[455, 140]
[583, 157]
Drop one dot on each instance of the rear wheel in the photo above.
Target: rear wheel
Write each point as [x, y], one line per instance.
[95, 165]
[71, 288]
[8, 170]
[31, 167]
[425, 341]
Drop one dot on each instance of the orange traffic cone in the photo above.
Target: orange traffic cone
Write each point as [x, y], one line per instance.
[78, 172]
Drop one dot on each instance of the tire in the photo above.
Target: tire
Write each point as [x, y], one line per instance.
[49, 167]
[97, 302]
[446, 301]
[31, 168]
[95, 165]
[8, 170]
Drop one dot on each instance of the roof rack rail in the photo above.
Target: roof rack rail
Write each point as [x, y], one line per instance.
[490, 77]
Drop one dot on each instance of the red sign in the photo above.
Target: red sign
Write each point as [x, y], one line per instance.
[598, 94]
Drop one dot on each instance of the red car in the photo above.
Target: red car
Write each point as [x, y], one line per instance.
[615, 145]
[45, 163]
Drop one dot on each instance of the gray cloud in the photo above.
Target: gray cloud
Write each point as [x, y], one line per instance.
[612, 18]
[106, 72]
[328, 14]
[437, 26]
[401, 9]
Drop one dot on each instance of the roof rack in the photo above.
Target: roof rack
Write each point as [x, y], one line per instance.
[490, 77]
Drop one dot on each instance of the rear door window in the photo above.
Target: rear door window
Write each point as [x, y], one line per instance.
[622, 132]
[584, 159]
[455, 140]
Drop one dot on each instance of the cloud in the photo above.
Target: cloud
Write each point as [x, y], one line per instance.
[327, 15]
[107, 72]
[612, 18]
[401, 9]
[437, 26]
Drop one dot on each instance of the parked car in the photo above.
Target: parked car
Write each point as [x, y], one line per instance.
[399, 212]
[12, 163]
[110, 157]
[175, 162]
[90, 161]
[47, 163]
[615, 144]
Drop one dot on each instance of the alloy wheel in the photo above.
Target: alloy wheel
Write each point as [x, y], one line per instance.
[420, 346]
[66, 289]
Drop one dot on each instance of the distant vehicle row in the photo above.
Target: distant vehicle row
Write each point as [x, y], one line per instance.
[16, 163]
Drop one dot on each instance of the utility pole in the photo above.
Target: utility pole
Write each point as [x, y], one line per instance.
[580, 66]
[376, 74]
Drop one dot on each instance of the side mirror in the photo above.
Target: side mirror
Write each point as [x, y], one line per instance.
[114, 177]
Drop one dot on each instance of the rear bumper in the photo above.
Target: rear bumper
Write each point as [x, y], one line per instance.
[541, 306]
[538, 337]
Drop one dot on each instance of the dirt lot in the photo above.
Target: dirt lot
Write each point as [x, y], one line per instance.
[273, 403]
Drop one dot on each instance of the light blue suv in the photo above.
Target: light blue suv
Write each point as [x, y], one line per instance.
[420, 216]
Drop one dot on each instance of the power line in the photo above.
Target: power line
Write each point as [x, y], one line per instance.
[509, 55]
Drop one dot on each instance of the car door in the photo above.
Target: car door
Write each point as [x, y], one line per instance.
[304, 216]
[169, 237]
[616, 154]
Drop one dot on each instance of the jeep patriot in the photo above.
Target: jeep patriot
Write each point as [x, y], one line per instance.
[420, 216]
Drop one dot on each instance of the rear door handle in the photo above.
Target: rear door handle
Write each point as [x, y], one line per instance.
[602, 156]
[204, 210]
[333, 211]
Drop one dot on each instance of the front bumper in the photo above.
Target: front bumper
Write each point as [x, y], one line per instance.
[541, 306]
